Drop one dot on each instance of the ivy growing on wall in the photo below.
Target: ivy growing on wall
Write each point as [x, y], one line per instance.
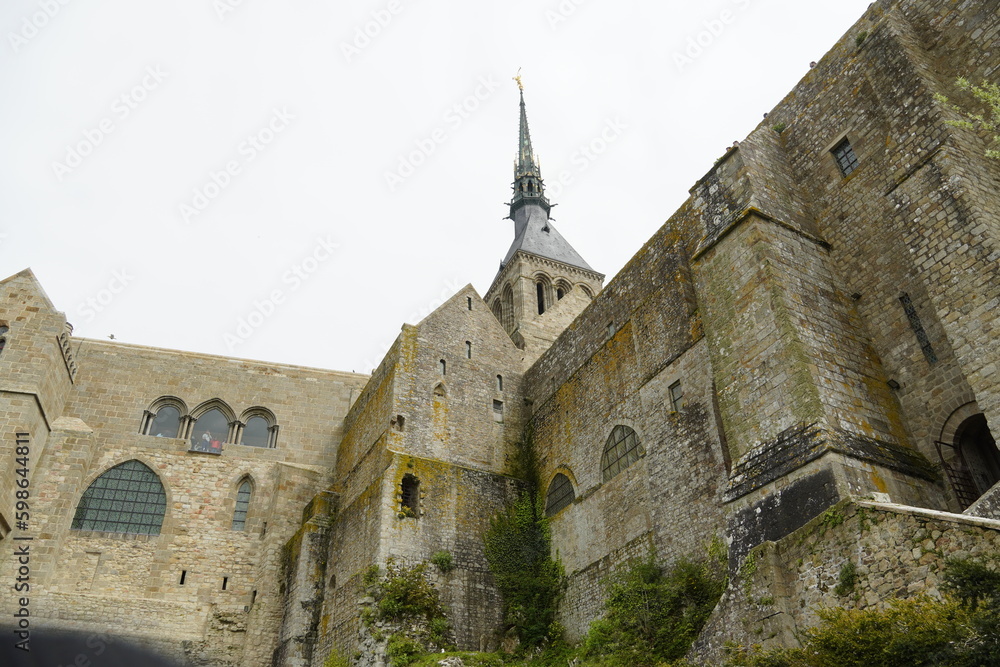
[518, 550]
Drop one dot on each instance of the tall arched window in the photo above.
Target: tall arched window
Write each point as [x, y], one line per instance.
[620, 451]
[128, 498]
[3, 337]
[242, 505]
[560, 494]
[210, 431]
[540, 294]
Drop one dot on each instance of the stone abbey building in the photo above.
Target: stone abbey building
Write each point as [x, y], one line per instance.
[815, 333]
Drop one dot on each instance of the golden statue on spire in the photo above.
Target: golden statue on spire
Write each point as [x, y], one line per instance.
[517, 77]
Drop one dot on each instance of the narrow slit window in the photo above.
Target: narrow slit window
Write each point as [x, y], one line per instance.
[225, 582]
[676, 396]
[499, 383]
[540, 293]
[184, 574]
[242, 506]
[843, 153]
[442, 367]
[918, 328]
[468, 350]
[468, 300]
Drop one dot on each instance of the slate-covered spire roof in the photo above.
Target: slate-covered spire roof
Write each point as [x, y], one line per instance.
[528, 185]
[529, 208]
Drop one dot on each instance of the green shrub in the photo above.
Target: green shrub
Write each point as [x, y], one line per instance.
[960, 632]
[847, 580]
[443, 561]
[653, 614]
[404, 598]
[402, 650]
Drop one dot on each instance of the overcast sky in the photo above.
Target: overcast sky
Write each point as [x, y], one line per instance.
[291, 181]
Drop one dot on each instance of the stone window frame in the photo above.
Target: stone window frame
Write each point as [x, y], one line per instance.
[187, 424]
[246, 478]
[266, 415]
[4, 333]
[554, 505]
[589, 293]
[562, 288]
[612, 467]
[92, 479]
[847, 161]
[149, 414]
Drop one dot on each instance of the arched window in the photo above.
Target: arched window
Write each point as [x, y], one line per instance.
[210, 432]
[128, 498]
[540, 293]
[242, 505]
[499, 383]
[621, 450]
[507, 306]
[468, 349]
[164, 418]
[560, 494]
[3, 337]
[166, 423]
[255, 433]
[442, 367]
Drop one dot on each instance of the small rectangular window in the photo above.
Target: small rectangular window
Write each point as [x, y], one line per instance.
[184, 574]
[843, 153]
[225, 582]
[468, 300]
[498, 410]
[676, 396]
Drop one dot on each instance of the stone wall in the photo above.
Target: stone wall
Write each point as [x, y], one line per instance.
[896, 551]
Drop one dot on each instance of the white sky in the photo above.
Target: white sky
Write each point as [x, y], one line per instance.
[332, 119]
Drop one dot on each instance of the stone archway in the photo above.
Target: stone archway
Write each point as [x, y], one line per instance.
[978, 449]
[969, 454]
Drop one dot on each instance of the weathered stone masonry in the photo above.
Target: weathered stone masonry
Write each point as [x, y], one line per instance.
[814, 328]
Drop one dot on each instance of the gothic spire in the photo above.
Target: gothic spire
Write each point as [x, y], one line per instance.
[528, 185]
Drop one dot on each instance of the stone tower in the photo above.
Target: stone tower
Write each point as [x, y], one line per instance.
[543, 283]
